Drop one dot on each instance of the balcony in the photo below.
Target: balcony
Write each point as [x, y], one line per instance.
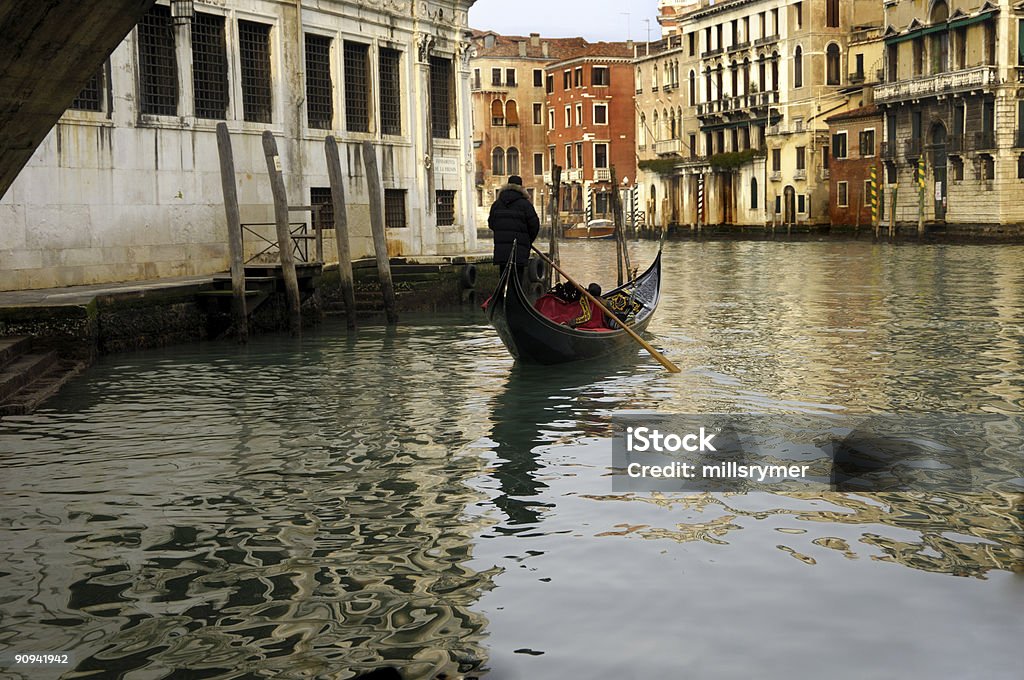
[776, 176]
[940, 83]
[668, 146]
[736, 47]
[573, 175]
[800, 173]
[767, 40]
[602, 175]
[956, 145]
[889, 151]
[547, 178]
[711, 53]
[984, 141]
[912, 148]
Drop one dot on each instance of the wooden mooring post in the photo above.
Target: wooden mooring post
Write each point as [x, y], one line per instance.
[227, 179]
[375, 190]
[556, 194]
[284, 238]
[341, 230]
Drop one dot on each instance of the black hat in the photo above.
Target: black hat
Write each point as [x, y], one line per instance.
[515, 179]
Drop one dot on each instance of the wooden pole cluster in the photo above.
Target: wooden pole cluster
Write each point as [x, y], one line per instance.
[284, 237]
[376, 192]
[227, 179]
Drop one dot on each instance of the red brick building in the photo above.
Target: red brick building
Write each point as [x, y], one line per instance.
[591, 127]
[510, 124]
[855, 148]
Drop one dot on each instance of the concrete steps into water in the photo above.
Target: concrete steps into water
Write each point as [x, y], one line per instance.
[27, 377]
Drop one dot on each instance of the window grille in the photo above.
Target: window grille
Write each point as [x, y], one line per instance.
[390, 92]
[357, 87]
[441, 103]
[319, 87]
[394, 209]
[254, 49]
[209, 67]
[158, 64]
[91, 96]
[445, 207]
[323, 207]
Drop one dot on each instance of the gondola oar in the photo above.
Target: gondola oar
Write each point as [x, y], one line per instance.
[662, 359]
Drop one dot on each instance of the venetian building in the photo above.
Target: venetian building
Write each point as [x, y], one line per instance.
[740, 136]
[510, 125]
[952, 98]
[592, 130]
[127, 184]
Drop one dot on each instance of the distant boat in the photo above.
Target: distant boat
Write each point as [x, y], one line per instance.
[533, 338]
[592, 229]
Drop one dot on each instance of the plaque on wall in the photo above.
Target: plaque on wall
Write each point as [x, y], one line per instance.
[446, 166]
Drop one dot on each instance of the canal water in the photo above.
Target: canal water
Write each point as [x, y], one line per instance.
[323, 507]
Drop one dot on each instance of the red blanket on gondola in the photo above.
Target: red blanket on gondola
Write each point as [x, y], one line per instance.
[583, 314]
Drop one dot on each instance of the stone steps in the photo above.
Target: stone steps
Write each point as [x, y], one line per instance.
[27, 377]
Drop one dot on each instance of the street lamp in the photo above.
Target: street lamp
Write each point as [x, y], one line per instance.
[182, 11]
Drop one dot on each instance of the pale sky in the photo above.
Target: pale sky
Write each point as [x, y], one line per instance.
[591, 19]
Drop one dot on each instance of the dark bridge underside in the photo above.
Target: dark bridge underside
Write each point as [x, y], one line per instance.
[48, 51]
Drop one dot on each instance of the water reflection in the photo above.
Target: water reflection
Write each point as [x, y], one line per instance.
[408, 498]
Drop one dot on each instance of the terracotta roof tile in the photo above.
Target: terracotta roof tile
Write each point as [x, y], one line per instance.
[559, 49]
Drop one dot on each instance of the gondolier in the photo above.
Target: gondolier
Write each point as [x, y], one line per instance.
[513, 220]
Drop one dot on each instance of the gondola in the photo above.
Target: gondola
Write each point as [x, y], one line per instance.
[533, 338]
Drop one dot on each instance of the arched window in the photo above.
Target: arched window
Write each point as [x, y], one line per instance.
[798, 67]
[693, 89]
[512, 161]
[734, 79]
[667, 132]
[673, 133]
[654, 77]
[708, 96]
[719, 82]
[642, 131]
[775, 71]
[511, 115]
[940, 39]
[832, 64]
[675, 74]
[746, 76]
[578, 207]
[497, 113]
[654, 128]
[498, 161]
[753, 193]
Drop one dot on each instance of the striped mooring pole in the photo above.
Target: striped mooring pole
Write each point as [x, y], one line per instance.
[700, 201]
[920, 197]
[874, 199]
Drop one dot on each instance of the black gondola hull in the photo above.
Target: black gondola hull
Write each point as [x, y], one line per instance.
[533, 338]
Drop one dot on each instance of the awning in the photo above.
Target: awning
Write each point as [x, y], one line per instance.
[940, 28]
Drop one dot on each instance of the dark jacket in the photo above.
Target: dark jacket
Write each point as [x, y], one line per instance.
[513, 218]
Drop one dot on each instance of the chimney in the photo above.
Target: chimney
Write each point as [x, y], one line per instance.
[544, 48]
[535, 39]
[522, 48]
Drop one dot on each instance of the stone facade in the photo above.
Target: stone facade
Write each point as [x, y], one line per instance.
[127, 185]
[735, 98]
[952, 97]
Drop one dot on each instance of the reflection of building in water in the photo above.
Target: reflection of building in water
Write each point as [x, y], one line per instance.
[994, 518]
